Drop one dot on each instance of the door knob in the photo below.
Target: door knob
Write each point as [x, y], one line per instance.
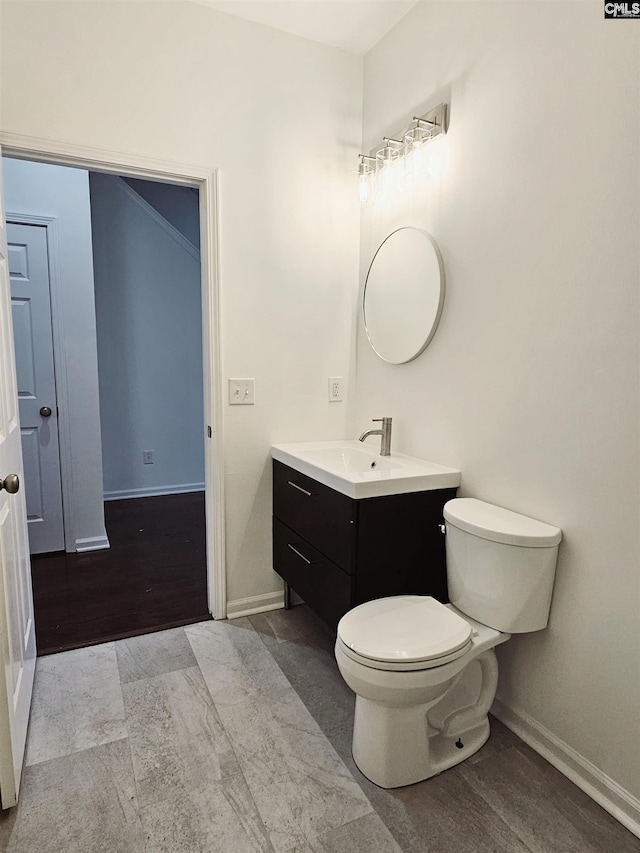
[45, 411]
[11, 483]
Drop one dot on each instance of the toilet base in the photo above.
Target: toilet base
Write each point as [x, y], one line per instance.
[413, 754]
[411, 725]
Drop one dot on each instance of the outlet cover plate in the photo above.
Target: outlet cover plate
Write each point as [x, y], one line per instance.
[336, 389]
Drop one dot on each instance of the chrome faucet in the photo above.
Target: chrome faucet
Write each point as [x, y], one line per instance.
[385, 432]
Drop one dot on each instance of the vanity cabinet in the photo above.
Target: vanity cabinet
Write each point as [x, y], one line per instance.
[337, 552]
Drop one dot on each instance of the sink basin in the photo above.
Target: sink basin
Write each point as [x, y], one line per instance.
[350, 468]
[350, 459]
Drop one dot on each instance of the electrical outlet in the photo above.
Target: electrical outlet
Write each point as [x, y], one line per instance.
[242, 392]
[147, 457]
[336, 389]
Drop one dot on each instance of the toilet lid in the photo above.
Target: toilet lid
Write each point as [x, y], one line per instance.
[403, 628]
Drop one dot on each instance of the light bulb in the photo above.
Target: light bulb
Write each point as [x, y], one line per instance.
[417, 151]
[387, 159]
[363, 189]
[365, 174]
[386, 177]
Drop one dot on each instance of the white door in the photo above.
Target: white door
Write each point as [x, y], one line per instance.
[33, 339]
[17, 629]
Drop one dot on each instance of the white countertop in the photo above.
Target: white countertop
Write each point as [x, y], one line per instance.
[354, 470]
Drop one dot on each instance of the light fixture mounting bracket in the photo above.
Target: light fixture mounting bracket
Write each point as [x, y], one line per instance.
[436, 118]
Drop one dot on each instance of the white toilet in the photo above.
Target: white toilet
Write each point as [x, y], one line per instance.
[425, 673]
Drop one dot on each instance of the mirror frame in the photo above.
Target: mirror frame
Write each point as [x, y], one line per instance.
[434, 325]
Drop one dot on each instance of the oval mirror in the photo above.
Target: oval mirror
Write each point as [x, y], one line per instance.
[403, 295]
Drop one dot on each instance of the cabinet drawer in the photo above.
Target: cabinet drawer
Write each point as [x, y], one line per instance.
[317, 580]
[322, 516]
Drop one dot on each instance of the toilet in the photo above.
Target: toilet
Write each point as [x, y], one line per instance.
[424, 673]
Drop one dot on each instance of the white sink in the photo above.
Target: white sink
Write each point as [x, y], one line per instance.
[351, 468]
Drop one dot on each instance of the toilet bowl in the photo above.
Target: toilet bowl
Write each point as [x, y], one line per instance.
[424, 673]
[397, 740]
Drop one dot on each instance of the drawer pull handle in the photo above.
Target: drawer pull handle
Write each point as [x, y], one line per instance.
[302, 556]
[300, 489]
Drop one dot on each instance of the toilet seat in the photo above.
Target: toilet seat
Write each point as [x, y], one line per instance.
[404, 633]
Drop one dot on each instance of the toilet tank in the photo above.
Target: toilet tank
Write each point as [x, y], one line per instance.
[500, 565]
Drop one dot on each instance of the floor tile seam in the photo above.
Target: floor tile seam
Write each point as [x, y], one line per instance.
[310, 837]
[350, 774]
[540, 789]
[143, 808]
[586, 808]
[216, 786]
[211, 706]
[284, 674]
[314, 836]
[319, 734]
[76, 752]
[320, 730]
[242, 761]
[160, 674]
[479, 790]
[48, 660]
[244, 671]
[232, 747]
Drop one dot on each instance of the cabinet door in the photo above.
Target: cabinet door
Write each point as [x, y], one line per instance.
[400, 546]
[322, 584]
[322, 516]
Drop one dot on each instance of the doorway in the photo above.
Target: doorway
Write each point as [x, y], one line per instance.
[140, 266]
[205, 181]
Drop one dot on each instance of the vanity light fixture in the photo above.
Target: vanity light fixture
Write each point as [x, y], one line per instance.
[364, 172]
[402, 158]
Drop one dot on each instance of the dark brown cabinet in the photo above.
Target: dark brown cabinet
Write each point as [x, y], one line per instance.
[336, 551]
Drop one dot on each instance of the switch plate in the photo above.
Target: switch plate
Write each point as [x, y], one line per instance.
[242, 392]
[336, 389]
[147, 457]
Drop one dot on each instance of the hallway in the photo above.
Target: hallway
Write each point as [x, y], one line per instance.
[152, 577]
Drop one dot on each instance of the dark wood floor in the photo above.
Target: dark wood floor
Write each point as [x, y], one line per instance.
[152, 577]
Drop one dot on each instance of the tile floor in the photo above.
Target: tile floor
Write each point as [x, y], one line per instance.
[235, 736]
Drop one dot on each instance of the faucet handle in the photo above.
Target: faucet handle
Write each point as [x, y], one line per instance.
[381, 420]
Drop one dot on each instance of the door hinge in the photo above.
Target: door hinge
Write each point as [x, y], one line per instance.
[209, 432]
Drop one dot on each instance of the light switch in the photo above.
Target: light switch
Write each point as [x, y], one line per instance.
[241, 392]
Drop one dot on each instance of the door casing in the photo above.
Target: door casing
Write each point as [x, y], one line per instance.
[205, 179]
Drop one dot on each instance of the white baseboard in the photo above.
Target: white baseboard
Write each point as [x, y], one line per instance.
[254, 604]
[622, 805]
[92, 543]
[153, 491]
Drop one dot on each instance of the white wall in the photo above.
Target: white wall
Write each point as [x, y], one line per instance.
[43, 190]
[530, 385]
[281, 117]
[149, 322]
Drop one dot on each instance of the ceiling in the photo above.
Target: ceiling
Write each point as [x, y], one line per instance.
[352, 25]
